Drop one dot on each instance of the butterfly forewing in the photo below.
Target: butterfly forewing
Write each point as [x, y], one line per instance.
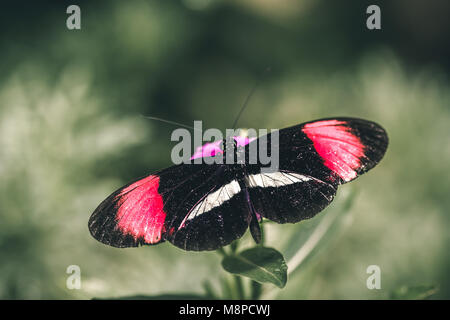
[139, 212]
[314, 158]
[194, 206]
[330, 149]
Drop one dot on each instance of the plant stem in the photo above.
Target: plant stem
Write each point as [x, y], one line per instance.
[222, 252]
[209, 290]
[256, 290]
[261, 226]
[234, 245]
[239, 287]
[227, 292]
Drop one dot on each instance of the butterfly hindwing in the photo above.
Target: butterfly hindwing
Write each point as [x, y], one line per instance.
[288, 197]
[213, 220]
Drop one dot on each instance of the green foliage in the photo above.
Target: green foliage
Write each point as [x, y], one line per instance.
[421, 292]
[178, 296]
[71, 133]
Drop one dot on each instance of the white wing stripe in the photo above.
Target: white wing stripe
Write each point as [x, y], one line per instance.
[274, 179]
[215, 199]
[226, 192]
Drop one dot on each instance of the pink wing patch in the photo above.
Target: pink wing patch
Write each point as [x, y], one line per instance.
[140, 210]
[341, 150]
[208, 150]
[212, 148]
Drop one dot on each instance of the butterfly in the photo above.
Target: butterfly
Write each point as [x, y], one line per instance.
[207, 206]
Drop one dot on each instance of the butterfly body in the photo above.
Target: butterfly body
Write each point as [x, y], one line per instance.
[204, 206]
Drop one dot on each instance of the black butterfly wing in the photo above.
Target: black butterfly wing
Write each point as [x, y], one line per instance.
[135, 214]
[314, 158]
[194, 206]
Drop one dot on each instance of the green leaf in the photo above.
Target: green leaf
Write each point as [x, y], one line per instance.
[260, 264]
[421, 292]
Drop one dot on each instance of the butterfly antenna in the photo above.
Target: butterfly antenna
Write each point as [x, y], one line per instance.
[247, 99]
[169, 122]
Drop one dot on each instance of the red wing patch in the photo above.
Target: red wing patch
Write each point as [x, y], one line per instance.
[341, 150]
[140, 210]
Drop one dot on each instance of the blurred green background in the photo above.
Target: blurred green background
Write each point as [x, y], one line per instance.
[71, 132]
